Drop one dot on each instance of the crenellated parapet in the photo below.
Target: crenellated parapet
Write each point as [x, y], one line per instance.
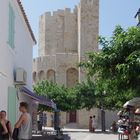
[61, 12]
[58, 32]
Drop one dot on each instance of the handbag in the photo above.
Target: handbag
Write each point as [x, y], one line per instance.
[15, 134]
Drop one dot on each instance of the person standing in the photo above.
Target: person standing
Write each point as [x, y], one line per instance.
[94, 123]
[3, 128]
[90, 124]
[24, 124]
[8, 126]
[114, 127]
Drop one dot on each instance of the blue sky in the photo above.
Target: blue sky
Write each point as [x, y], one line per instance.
[112, 13]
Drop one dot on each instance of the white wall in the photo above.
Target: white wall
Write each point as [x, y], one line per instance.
[6, 56]
[20, 56]
[23, 48]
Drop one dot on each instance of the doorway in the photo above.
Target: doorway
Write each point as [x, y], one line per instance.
[72, 117]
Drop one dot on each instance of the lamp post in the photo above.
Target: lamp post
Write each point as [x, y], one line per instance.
[137, 17]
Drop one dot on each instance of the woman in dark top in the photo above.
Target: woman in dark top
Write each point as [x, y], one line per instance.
[3, 128]
[8, 126]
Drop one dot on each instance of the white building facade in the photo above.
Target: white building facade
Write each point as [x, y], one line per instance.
[16, 44]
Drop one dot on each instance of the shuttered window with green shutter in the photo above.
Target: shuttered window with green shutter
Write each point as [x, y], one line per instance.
[11, 33]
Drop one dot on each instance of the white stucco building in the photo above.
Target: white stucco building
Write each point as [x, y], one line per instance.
[16, 44]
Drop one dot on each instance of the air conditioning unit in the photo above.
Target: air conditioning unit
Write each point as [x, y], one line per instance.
[20, 76]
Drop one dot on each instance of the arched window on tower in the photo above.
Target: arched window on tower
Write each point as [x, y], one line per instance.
[51, 76]
[34, 77]
[72, 77]
[41, 75]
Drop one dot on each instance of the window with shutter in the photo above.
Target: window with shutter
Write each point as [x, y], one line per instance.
[11, 33]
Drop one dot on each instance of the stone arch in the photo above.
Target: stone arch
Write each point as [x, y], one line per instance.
[72, 77]
[34, 77]
[51, 76]
[41, 75]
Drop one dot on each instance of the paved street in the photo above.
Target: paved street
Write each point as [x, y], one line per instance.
[81, 136]
[89, 136]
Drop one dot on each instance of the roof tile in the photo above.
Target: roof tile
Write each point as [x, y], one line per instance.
[26, 20]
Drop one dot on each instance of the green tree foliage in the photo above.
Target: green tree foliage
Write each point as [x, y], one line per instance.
[116, 67]
[65, 98]
[85, 94]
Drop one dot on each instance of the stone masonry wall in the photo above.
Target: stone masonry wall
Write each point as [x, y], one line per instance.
[59, 63]
[58, 32]
[88, 26]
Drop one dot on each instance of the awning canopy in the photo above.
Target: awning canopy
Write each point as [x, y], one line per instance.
[40, 99]
[134, 102]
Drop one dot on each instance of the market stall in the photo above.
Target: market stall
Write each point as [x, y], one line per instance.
[129, 120]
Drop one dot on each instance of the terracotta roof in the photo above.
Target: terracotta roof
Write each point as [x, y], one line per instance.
[26, 20]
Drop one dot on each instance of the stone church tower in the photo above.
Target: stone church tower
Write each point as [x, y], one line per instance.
[64, 39]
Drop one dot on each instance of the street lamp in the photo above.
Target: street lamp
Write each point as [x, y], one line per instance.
[137, 17]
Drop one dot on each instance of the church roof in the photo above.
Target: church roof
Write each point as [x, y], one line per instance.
[26, 20]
